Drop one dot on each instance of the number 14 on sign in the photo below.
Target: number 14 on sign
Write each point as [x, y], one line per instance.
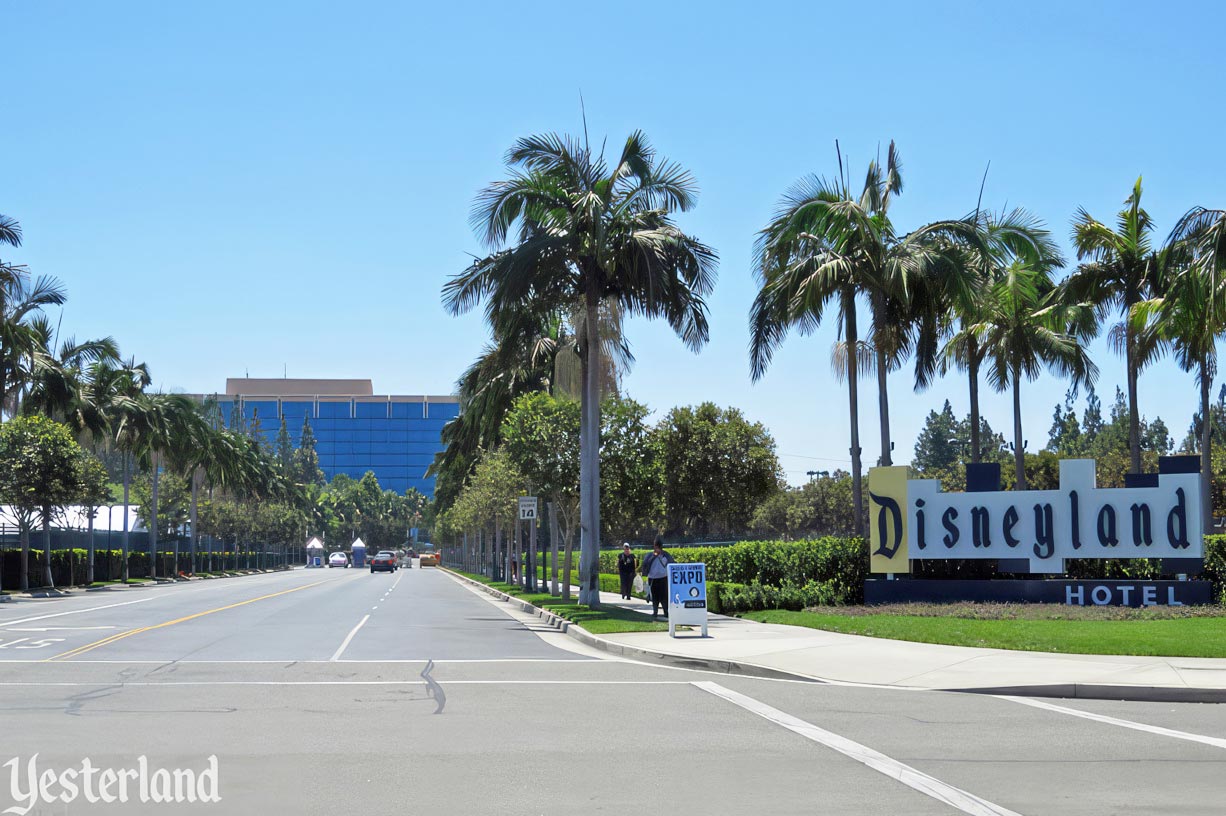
[527, 508]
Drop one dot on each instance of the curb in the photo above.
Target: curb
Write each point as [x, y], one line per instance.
[1065, 691]
[1094, 691]
[580, 634]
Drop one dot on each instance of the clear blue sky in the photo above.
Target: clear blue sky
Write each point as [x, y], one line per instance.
[236, 187]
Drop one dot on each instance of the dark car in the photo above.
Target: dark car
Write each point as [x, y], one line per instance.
[384, 561]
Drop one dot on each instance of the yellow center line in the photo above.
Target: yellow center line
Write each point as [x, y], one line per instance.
[111, 639]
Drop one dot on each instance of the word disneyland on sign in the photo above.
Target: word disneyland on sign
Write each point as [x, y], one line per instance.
[915, 519]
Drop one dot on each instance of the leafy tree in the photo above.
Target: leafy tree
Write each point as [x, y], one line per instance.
[284, 449]
[541, 439]
[174, 501]
[1065, 437]
[568, 231]
[489, 501]
[936, 446]
[631, 472]
[718, 467]
[306, 460]
[817, 508]
[42, 466]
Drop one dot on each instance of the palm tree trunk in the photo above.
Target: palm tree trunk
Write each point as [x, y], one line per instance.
[857, 488]
[883, 402]
[1206, 440]
[89, 567]
[973, 373]
[153, 519]
[126, 480]
[23, 533]
[567, 554]
[195, 536]
[589, 459]
[1019, 448]
[1134, 420]
[48, 578]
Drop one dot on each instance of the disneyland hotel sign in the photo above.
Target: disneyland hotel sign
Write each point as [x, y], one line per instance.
[914, 519]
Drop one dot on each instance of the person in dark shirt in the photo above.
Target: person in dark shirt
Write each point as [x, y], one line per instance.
[655, 569]
[627, 565]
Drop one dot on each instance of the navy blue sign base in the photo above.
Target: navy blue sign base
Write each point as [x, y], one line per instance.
[1076, 593]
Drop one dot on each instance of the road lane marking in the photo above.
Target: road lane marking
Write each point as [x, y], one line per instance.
[284, 661]
[911, 777]
[120, 636]
[56, 628]
[113, 684]
[77, 611]
[1216, 742]
[349, 637]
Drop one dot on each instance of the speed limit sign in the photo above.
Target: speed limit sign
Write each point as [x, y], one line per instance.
[527, 508]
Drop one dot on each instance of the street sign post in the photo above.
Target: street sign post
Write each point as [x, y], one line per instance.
[687, 596]
[527, 560]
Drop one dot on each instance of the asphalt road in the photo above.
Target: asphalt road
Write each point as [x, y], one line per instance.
[339, 691]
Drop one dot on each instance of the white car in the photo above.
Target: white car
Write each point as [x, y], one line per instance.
[338, 559]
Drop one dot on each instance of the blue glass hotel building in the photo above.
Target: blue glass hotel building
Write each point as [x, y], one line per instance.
[355, 429]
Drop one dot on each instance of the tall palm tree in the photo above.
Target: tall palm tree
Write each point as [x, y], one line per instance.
[21, 302]
[10, 234]
[827, 245]
[535, 351]
[59, 386]
[1192, 315]
[572, 232]
[131, 422]
[1025, 328]
[1007, 237]
[1119, 269]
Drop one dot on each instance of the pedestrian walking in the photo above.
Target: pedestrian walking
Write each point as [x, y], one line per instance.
[627, 566]
[655, 569]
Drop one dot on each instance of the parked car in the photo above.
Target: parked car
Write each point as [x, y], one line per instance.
[338, 559]
[384, 561]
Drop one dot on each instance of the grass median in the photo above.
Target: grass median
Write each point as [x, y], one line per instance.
[604, 620]
[1156, 631]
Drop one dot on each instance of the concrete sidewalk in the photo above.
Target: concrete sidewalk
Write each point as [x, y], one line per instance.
[737, 645]
[835, 657]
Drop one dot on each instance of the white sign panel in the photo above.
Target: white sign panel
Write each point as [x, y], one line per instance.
[1079, 520]
[527, 508]
[687, 596]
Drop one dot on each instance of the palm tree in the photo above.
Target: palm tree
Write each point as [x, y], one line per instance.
[1007, 236]
[59, 386]
[21, 301]
[1192, 315]
[583, 234]
[827, 246]
[10, 233]
[535, 351]
[1025, 328]
[1120, 269]
[130, 421]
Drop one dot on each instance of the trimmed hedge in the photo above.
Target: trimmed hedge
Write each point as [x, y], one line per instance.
[69, 566]
[773, 563]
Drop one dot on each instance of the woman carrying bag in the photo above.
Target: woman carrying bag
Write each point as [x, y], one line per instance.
[655, 569]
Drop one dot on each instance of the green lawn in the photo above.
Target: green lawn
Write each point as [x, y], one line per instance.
[1172, 637]
[600, 621]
